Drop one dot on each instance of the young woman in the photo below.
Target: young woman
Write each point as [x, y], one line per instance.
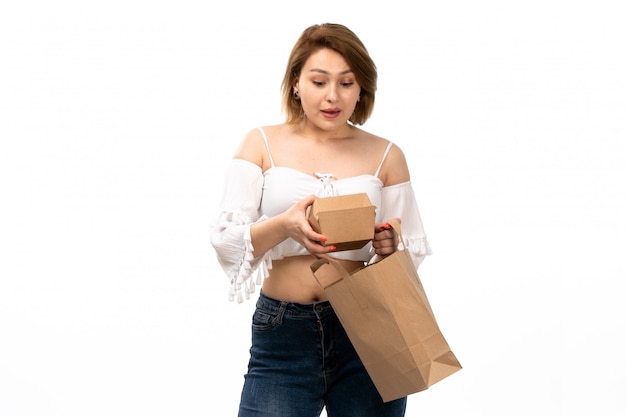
[301, 359]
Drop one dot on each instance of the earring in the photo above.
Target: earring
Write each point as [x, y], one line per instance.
[296, 94]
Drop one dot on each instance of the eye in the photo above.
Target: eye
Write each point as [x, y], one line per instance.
[347, 84]
[318, 83]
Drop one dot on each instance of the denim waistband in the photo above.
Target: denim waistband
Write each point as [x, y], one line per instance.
[315, 309]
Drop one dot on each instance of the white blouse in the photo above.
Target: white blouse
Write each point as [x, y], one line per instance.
[250, 196]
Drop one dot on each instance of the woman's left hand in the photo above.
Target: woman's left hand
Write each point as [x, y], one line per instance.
[385, 239]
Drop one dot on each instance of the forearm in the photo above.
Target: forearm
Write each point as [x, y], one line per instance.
[289, 224]
[267, 234]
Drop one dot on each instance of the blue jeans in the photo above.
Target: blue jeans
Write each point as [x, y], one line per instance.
[301, 360]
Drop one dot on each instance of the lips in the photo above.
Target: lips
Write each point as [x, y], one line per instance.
[331, 113]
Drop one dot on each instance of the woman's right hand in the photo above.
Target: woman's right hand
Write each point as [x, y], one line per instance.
[297, 227]
[292, 223]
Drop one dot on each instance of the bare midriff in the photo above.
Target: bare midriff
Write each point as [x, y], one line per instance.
[291, 279]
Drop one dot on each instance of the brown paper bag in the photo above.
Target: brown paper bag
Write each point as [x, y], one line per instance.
[389, 320]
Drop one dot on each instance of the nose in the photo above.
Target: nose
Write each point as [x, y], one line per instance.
[331, 93]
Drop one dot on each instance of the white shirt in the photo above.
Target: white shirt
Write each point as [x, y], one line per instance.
[250, 196]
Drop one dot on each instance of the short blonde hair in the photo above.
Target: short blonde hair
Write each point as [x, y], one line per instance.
[343, 41]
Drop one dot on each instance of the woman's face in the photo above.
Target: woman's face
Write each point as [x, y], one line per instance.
[328, 89]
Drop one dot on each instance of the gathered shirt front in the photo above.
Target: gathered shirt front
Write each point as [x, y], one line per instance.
[250, 196]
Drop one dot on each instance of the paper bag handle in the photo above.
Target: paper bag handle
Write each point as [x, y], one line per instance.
[345, 275]
[327, 282]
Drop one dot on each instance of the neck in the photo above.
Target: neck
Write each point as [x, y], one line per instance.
[312, 131]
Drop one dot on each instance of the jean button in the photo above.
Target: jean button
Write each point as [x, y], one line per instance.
[319, 308]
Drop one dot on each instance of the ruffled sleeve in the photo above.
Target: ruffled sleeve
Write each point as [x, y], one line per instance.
[230, 230]
[399, 201]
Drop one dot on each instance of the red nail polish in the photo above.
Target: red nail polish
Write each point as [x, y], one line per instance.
[333, 248]
[323, 239]
[386, 226]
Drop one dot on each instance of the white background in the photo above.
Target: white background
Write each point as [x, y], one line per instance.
[117, 119]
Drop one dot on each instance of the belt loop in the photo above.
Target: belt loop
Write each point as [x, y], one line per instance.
[281, 312]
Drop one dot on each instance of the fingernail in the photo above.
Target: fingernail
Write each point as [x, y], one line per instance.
[333, 248]
[323, 238]
[386, 226]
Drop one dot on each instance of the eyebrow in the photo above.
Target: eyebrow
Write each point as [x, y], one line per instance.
[326, 72]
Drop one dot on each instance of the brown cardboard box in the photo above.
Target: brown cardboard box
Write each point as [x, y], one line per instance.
[347, 220]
